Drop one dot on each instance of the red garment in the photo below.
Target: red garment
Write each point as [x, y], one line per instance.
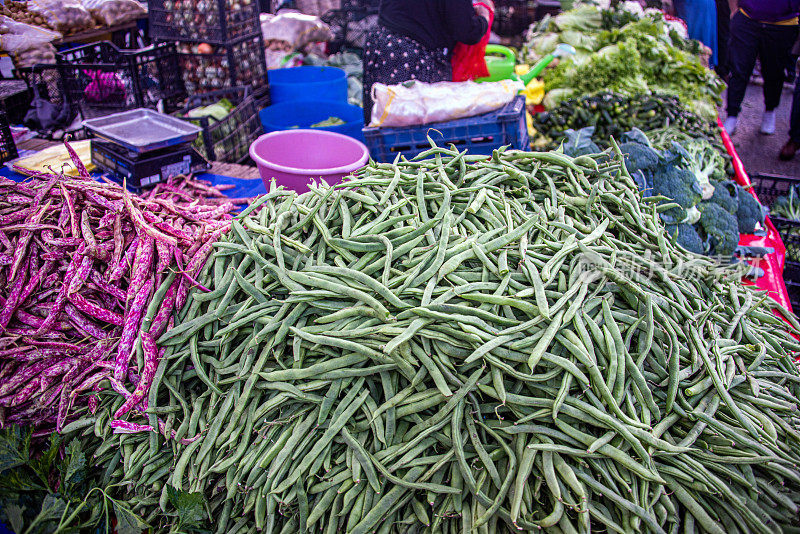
[469, 61]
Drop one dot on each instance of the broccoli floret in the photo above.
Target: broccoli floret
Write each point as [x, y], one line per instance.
[726, 196]
[639, 157]
[679, 185]
[706, 163]
[686, 236]
[721, 229]
[750, 212]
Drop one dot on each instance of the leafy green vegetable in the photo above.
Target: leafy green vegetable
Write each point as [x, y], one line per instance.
[330, 121]
[188, 507]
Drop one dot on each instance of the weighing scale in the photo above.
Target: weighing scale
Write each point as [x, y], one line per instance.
[142, 147]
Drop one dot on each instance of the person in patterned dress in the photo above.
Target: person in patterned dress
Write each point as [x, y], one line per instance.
[415, 40]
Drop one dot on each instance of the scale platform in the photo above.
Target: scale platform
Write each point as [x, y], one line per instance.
[146, 169]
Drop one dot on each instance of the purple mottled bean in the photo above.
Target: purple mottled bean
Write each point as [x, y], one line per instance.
[89, 383]
[118, 268]
[107, 220]
[61, 298]
[22, 244]
[140, 269]
[151, 358]
[56, 345]
[113, 290]
[8, 353]
[164, 256]
[16, 216]
[73, 217]
[132, 320]
[111, 205]
[81, 168]
[81, 275]
[22, 376]
[14, 298]
[26, 392]
[5, 259]
[126, 427]
[11, 305]
[159, 324]
[48, 397]
[94, 310]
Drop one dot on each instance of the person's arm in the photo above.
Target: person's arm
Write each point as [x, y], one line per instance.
[734, 5]
[464, 23]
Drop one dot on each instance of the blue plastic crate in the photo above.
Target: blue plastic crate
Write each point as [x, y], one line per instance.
[479, 135]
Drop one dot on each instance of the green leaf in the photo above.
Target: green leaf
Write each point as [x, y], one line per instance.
[14, 515]
[127, 521]
[52, 508]
[75, 471]
[43, 465]
[188, 506]
[14, 448]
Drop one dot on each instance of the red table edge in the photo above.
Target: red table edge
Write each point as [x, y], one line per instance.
[772, 264]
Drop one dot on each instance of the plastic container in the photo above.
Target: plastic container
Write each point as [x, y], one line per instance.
[294, 157]
[8, 149]
[512, 17]
[234, 64]
[229, 138]
[500, 61]
[300, 114]
[102, 79]
[203, 21]
[307, 83]
[479, 135]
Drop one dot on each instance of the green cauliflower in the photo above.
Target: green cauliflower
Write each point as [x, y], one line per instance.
[686, 236]
[750, 213]
[720, 228]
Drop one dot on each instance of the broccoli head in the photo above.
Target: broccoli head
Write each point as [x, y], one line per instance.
[639, 157]
[720, 228]
[750, 212]
[679, 185]
[726, 196]
[686, 236]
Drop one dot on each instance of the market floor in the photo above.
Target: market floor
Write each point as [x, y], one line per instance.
[759, 152]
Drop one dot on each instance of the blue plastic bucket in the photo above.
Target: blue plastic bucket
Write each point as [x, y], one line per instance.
[302, 114]
[307, 83]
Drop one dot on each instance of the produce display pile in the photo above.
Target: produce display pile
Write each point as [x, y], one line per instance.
[642, 56]
[80, 262]
[456, 343]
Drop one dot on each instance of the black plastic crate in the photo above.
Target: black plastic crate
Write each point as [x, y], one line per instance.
[101, 79]
[512, 17]
[15, 99]
[241, 63]
[8, 149]
[229, 138]
[47, 79]
[203, 21]
[768, 187]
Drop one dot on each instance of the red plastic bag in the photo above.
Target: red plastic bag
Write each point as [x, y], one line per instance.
[469, 61]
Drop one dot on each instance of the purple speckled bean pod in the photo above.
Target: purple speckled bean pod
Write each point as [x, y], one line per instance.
[107, 220]
[73, 217]
[5, 259]
[81, 168]
[5, 241]
[132, 321]
[164, 256]
[110, 205]
[142, 225]
[48, 398]
[126, 427]
[94, 310]
[57, 345]
[113, 290]
[89, 383]
[11, 305]
[140, 270]
[180, 234]
[25, 392]
[16, 216]
[61, 298]
[83, 324]
[22, 376]
[14, 298]
[13, 352]
[63, 218]
[159, 324]
[151, 358]
[118, 269]
[22, 244]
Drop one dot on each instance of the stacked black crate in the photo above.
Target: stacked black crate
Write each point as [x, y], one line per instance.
[219, 42]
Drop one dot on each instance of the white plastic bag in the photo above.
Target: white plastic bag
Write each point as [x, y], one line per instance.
[414, 103]
[113, 12]
[296, 29]
[28, 45]
[66, 16]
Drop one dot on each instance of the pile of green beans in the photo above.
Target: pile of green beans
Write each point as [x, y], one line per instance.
[468, 344]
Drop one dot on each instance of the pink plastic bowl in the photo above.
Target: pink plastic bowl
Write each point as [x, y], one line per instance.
[294, 157]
